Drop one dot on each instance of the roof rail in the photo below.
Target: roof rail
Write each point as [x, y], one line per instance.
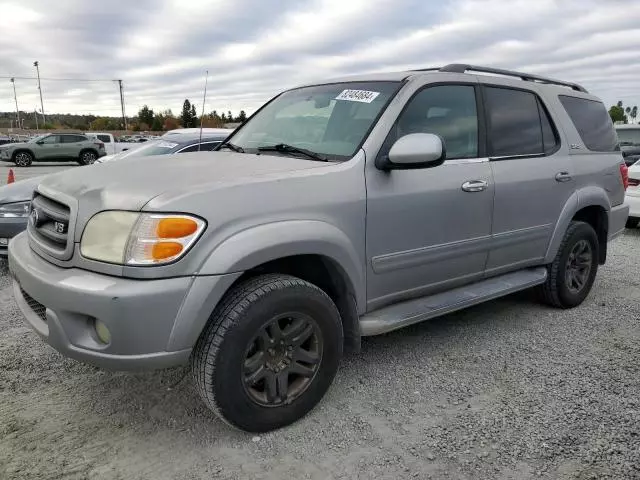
[527, 77]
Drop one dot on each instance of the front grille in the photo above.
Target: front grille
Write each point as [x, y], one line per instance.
[39, 309]
[49, 222]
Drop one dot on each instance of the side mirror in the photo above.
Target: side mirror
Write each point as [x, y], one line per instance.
[40, 142]
[416, 150]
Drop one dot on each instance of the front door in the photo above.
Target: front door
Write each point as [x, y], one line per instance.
[430, 229]
[48, 148]
[533, 175]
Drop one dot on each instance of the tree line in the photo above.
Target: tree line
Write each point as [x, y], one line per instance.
[146, 120]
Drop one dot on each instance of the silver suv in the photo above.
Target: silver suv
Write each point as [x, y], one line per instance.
[340, 209]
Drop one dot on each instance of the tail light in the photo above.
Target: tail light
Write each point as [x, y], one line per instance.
[624, 174]
[99, 144]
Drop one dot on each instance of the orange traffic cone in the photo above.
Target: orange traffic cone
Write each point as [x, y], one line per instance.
[11, 177]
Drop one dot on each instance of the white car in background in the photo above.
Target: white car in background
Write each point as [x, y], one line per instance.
[632, 196]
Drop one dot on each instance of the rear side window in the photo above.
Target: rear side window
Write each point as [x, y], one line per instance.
[593, 123]
[104, 138]
[518, 124]
[72, 138]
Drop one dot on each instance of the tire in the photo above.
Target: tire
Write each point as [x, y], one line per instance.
[225, 358]
[632, 222]
[560, 290]
[23, 159]
[87, 157]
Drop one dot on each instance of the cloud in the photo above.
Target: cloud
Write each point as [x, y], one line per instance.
[255, 48]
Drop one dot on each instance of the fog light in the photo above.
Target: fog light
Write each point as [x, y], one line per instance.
[103, 333]
[4, 241]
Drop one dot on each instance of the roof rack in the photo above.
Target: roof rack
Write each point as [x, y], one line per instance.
[527, 77]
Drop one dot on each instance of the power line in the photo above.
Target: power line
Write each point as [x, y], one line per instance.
[61, 79]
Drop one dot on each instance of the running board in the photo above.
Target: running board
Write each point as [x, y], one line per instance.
[425, 308]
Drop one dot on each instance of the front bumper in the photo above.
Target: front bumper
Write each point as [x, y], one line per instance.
[153, 323]
[9, 228]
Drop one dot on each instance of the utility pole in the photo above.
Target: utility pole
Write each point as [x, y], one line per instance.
[15, 97]
[35, 115]
[44, 119]
[124, 116]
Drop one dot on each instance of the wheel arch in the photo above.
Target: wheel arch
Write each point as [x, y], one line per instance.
[315, 251]
[22, 150]
[590, 205]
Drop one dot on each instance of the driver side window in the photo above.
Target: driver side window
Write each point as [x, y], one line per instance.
[448, 111]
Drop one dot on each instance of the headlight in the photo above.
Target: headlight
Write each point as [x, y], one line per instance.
[15, 210]
[129, 238]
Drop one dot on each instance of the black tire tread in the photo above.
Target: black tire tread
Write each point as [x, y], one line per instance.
[549, 289]
[224, 317]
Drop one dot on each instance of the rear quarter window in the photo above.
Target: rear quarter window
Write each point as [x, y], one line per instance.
[593, 123]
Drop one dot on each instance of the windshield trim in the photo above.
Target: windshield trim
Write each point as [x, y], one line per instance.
[400, 84]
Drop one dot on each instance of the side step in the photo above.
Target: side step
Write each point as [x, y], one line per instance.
[425, 308]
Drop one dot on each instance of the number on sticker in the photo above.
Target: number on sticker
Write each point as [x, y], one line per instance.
[363, 96]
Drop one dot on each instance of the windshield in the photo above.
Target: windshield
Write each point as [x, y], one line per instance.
[331, 120]
[629, 136]
[38, 138]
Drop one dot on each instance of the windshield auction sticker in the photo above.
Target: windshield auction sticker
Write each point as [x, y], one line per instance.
[166, 145]
[363, 96]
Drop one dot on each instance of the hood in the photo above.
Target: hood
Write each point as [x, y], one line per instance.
[13, 145]
[19, 191]
[130, 185]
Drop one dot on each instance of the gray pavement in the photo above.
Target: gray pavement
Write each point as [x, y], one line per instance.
[507, 390]
[38, 168]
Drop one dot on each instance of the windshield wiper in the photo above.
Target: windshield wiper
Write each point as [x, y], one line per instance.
[285, 148]
[231, 146]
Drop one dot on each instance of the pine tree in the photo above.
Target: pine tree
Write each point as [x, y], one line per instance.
[185, 118]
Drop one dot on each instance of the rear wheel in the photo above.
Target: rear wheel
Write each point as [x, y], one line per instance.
[269, 353]
[573, 271]
[88, 157]
[632, 222]
[23, 159]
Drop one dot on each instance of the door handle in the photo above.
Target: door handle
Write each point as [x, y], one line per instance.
[474, 186]
[563, 177]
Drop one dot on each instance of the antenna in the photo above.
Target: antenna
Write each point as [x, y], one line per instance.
[204, 99]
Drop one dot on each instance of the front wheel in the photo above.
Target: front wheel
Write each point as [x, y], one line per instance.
[573, 271]
[23, 159]
[269, 353]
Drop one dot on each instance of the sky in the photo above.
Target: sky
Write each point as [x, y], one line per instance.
[253, 49]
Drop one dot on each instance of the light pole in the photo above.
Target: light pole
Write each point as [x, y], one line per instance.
[35, 115]
[13, 81]
[44, 119]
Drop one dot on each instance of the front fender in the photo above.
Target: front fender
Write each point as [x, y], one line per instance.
[263, 243]
[585, 197]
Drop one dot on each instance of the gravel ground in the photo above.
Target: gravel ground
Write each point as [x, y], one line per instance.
[507, 390]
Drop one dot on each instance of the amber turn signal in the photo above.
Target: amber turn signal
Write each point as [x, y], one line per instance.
[176, 227]
[162, 250]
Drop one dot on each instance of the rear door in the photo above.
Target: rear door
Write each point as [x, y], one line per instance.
[533, 176]
[72, 144]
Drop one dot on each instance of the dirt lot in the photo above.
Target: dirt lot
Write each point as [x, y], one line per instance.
[507, 390]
